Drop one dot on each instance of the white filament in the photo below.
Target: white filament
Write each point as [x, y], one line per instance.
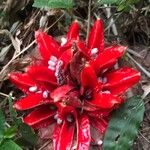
[45, 94]
[59, 121]
[63, 41]
[94, 51]
[33, 89]
[100, 142]
[53, 58]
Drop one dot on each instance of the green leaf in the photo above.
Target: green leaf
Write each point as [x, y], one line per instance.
[53, 4]
[109, 1]
[28, 135]
[10, 132]
[124, 124]
[2, 125]
[9, 145]
[13, 112]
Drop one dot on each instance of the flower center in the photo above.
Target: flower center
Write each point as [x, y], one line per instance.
[70, 118]
[94, 52]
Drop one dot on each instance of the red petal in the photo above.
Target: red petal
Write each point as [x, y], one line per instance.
[105, 100]
[22, 80]
[99, 124]
[30, 101]
[89, 78]
[108, 57]
[100, 113]
[66, 57]
[60, 92]
[63, 136]
[73, 33]
[83, 133]
[66, 46]
[82, 47]
[46, 45]
[42, 73]
[120, 80]
[43, 124]
[96, 37]
[64, 110]
[39, 115]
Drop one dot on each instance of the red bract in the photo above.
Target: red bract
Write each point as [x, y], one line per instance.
[74, 87]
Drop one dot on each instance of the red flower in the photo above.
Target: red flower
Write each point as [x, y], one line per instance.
[74, 87]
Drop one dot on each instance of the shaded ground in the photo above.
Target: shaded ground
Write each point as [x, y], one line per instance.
[131, 28]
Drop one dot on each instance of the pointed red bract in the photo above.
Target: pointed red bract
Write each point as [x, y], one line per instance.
[89, 78]
[120, 80]
[41, 73]
[99, 124]
[22, 80]
[83, 133]
[108, 58]
[30, 101]
[73, 33]
[96, 37]
[38, 115]
[46, 45]
[43, 124]
[60, 92]
[82, 48]
[105, 100]
[66, 57]
[63, 136]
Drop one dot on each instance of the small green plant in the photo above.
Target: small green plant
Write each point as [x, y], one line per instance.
[9, 139]
[122, 5]
[53, 4]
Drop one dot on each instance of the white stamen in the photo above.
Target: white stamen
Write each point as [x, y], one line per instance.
[100, 142]
[94, 51]
[51, 68]
[33, 89]
[45, 94]
[51, 63]
[106, 92]
[39, 92]
[63, 41]
[100, 79]
[56, 116]
[53, 58]
[56, 73]
[59, 121]
[104, 80]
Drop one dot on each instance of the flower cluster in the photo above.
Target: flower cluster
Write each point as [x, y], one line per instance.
[74, 87]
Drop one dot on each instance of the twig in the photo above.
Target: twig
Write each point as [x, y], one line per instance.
[5, 95]
[54, 22]
[112, 22]
[15, 56]
[140, 66]
[134, 53]
[89, 20]
[26, 48]
[144, 137]
[45, 144]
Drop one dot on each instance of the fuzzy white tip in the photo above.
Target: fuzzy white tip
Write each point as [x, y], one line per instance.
[94, 51]
[100, 142]
[53, 58]
[63, 41]
[33, 89]
[45, 94]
